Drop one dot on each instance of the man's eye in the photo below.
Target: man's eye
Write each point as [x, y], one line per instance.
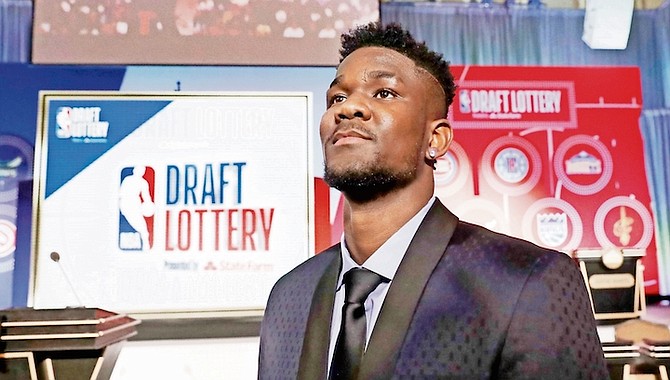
[337, 99]
[384, 94]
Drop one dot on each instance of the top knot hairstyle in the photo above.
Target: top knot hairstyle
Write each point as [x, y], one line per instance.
[393, 36]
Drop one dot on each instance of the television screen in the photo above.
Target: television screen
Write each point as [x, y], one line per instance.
[195, 32]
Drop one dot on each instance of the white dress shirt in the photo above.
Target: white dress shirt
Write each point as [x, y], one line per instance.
[385, 262]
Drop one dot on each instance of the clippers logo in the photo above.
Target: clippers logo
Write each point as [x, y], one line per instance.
[81, 124]
[511, 165]
[136, 208]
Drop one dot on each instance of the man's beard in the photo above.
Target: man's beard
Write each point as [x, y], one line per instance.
[368, 183]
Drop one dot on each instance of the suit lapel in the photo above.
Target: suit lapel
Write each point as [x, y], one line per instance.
[423, 254]
[314, 356]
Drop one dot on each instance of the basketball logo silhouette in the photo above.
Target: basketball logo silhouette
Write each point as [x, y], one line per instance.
[136, 208]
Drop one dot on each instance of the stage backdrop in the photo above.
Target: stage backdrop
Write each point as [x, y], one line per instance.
[551, 155]
[603, 112]
[170, 203]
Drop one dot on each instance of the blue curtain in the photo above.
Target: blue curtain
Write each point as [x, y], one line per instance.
[655, 127]
[662, 47]
[15, 23]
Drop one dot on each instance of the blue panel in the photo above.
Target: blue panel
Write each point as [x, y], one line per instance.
[21, 83]
[19, 95]
[122, 116]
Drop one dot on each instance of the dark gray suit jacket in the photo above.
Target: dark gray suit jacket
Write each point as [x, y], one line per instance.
[466, 303]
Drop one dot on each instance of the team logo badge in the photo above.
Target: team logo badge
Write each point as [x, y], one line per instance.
[136, 208]
[583, 163]
[511, 165]
[552, 229]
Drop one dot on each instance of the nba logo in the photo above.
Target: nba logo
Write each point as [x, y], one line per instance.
[136, 208]
[63, 122]
[464, 101]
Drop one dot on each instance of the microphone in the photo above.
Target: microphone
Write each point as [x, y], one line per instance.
[55, 257]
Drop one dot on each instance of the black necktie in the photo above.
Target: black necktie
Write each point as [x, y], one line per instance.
[358, 284]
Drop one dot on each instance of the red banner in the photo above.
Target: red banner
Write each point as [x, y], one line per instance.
[515, 104]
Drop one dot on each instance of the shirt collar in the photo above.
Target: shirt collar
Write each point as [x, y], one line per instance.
[386, 259]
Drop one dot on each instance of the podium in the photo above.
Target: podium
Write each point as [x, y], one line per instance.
[61, 344]
[615, 282]
[614, 278]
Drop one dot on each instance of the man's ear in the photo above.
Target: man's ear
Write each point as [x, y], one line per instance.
[440, 138]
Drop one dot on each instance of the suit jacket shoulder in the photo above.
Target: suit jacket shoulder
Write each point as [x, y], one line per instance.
[498, 307]
[286, 315]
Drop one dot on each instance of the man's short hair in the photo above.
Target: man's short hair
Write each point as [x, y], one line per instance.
[393, 36]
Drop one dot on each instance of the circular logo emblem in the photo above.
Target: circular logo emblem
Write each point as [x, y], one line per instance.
[7, 238]
[511, 165]
[623, 222]
[16, 158]
[553, 223]
[583, 164]
[452, 170]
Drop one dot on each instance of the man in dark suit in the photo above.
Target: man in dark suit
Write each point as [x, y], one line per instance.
[456, 301]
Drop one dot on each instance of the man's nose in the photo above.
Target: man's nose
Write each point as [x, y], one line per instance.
[353, 107]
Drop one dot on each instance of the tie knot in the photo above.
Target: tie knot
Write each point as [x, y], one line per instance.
[359, 283]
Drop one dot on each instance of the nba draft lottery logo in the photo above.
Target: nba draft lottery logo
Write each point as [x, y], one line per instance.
[136, 208]
[81, 124]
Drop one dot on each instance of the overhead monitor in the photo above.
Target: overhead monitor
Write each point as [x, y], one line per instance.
[195, 32]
